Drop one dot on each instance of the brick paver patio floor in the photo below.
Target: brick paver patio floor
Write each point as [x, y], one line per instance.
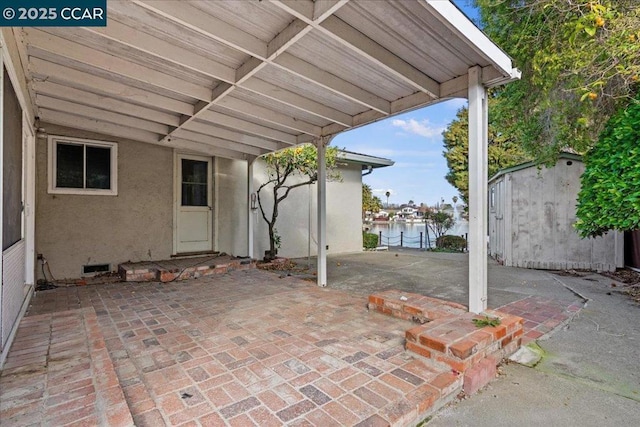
[240, 349]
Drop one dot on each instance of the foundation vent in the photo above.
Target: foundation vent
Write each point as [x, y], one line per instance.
[95, 268]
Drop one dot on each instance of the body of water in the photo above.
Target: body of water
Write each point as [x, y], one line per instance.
[411, 233]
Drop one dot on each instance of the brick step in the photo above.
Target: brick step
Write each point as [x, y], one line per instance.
[448, 335]
[415, 307]
[181, 269]
[424, 401]
[473, 351]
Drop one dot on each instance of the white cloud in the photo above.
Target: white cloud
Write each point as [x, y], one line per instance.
[422, 128]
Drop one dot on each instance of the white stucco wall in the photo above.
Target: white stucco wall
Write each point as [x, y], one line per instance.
[230, 218]
[532, 225]
[344, 216]
[135, 225]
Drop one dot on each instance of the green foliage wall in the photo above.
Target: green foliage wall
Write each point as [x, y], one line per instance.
[610, 195]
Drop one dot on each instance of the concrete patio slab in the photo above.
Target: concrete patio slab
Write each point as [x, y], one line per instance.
[587, 374]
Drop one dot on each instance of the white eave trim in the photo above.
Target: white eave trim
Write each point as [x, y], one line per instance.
[459, 23]
[375, 162]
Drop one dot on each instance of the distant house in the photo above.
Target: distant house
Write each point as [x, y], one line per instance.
[531, 217]
[407, 211]
[377, 216]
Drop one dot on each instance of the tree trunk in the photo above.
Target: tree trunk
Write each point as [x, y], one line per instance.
[273, 252]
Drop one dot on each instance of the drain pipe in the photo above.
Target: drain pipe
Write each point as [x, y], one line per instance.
[369, 170]
[309, 236]
[252, 207]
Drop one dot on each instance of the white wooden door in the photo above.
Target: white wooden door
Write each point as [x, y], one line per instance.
[194, 216]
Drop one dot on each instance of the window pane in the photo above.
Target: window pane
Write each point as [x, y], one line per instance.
[98, 167]
[11, 167]
[194, 194]
[194, 183]
[194, 171]
[69, 165]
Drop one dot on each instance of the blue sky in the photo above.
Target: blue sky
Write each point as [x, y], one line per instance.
[414, 142]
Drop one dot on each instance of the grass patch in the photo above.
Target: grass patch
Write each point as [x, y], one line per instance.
[486, 321]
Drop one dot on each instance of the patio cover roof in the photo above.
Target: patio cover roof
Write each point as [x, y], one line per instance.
[239, 79]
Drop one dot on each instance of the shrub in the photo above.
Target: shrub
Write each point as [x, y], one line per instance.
[450, 242]
[369, 240]
[609, 198]
[439, 222]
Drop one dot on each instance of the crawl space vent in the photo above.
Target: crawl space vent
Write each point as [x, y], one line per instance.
[95, 268]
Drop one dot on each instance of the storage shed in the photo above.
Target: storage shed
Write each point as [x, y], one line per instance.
[531, 215]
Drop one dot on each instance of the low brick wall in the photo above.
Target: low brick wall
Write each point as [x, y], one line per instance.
[168, 272]
[418, 308]
[447, 334]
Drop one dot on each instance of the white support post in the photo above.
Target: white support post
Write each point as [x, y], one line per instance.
[250, 210]
[478, 141]
[321, 144]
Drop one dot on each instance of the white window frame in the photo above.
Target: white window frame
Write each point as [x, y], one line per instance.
[52, 152]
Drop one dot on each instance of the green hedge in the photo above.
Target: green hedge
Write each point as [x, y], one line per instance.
[369, 240]
[452, 243]
[609, 198]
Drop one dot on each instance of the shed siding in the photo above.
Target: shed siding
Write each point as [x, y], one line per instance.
[497, 237]
[539, 217]
[508, 219]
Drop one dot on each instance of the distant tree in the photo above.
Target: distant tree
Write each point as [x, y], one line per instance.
[388, 193]
[503, 151]
[609, 198]
[439, 222]
[282, 168]
[370, 202]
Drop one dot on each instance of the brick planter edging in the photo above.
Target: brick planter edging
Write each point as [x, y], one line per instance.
[448, 335]
[161, 274]
[418, 308]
